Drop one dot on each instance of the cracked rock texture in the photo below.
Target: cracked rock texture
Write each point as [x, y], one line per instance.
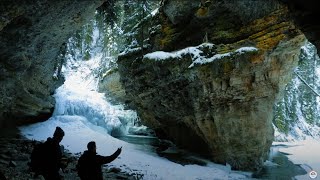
[32, 37]
[222, 108]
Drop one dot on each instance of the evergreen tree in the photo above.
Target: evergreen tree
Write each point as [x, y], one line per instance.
[118, 25]
[300, 102]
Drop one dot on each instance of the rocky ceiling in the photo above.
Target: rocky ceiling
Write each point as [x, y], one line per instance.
[306, 13]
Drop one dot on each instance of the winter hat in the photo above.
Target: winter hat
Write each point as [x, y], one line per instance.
[58, 132]
[91, 145]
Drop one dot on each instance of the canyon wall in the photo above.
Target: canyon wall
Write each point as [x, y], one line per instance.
[211, 75]
[33, 38]
[221, 108]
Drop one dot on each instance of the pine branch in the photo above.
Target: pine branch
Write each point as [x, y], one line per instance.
[302, 80]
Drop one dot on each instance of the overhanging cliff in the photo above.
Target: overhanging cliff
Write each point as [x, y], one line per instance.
[220, 104]
[32, 35]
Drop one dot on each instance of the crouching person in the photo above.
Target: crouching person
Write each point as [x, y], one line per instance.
[89, 164]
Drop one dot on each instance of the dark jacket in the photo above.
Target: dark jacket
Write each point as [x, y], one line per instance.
[52, 161]
[89, 164]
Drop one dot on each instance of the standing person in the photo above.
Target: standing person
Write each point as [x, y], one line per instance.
[46, 159]
[89, 164]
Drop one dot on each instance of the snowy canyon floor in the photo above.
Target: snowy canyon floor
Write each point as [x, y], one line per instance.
[15, 153]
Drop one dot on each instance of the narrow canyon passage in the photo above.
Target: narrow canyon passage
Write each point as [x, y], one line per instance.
[190, 89]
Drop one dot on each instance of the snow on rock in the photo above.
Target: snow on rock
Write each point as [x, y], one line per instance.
[198, 56]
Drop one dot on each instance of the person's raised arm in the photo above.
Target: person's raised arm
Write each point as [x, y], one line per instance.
[108, 159]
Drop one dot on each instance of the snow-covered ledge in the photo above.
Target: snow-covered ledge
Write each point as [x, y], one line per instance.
[197, 54]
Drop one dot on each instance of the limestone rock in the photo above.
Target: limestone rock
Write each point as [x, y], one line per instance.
[178, 11]
[110, 84]
[33, 34]
[215, 99]
[305, 14]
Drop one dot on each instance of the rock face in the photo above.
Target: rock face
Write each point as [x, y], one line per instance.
[305, 14]
[216, 98]
[110, 84]
[221, 108]
[32, 37]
